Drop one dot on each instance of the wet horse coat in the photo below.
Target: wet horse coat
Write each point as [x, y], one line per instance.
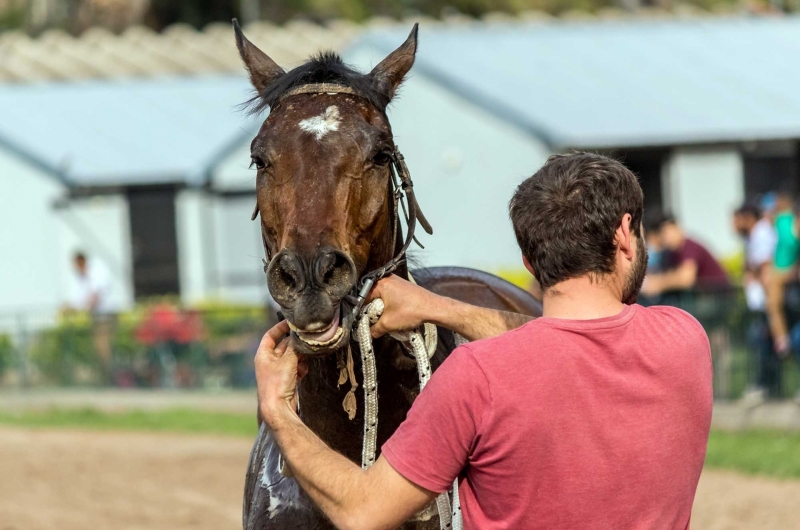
[329, 216]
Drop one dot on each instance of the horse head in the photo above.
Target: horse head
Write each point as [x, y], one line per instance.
[324, 184]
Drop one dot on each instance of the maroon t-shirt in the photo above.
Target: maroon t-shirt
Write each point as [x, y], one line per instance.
[709, 272]
[567, 424]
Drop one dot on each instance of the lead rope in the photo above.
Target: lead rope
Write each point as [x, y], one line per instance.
[423, 349]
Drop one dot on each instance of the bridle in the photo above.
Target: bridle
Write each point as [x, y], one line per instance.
[402, 193]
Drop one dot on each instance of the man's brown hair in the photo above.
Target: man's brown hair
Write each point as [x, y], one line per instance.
[565, 215]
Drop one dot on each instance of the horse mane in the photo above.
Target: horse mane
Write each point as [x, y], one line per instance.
[325, 67]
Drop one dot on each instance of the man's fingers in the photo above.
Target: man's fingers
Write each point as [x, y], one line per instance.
[375, 292]
[272, 337]
[377, 330]
[281, 348]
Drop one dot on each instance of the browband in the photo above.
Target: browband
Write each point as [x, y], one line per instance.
[318, 88]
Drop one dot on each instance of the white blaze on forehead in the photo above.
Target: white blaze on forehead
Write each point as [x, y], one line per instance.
[321, 125]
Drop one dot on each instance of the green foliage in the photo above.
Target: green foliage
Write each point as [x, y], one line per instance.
[169, 420]
[756, 452]
[222, 319]
[12, 16]
[224, 332]
[8, 355]
[60, 350]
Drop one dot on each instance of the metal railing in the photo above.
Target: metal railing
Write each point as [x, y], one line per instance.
[162, 346]
[155, 346]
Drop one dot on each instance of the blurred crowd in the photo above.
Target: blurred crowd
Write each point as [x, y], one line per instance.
[769, 228]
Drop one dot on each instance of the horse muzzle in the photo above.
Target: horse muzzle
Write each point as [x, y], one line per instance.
[311, 293]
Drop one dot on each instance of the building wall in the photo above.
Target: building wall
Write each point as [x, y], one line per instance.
[219, 249]
[239, 275]
[100, 227]
[702, 187]
[194, 248]
[29, 269]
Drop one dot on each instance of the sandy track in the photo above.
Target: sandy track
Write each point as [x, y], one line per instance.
[94, 481]
[97, 481]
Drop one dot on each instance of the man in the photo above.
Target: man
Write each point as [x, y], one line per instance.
[595, 416]
[690, 264]
[787, 251]
[760, 241]
[91, 292]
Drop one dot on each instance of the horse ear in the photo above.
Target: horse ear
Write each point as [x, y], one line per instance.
[263, 70]
[389, 73]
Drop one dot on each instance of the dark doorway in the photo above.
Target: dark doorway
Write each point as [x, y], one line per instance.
[647, 164]
[154, 243]
[768, 170]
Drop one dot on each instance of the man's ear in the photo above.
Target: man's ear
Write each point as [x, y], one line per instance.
[262, 69]
[528, 266]
[391, 71]
[624, 236]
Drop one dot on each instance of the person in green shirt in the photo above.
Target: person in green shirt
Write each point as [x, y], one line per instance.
[787, 251]
[788, 247]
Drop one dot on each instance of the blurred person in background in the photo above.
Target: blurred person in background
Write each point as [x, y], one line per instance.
[760, 241]
[691, 278]
[684, 264]
[783, 272]
[91, 292]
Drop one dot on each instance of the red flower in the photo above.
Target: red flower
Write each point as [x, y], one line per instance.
[166, 323]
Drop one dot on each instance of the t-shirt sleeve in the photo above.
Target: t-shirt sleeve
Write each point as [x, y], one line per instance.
[762, 246]
[433, 444]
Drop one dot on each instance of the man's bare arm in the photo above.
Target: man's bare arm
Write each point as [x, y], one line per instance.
[378, 498]
[408, 306]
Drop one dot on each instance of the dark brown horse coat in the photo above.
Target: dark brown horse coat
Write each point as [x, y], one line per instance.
[328, 216]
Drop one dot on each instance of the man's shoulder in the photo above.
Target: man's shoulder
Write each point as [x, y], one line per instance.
[669, 316]
[515, 339]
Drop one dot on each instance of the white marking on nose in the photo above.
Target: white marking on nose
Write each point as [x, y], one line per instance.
[321, 125]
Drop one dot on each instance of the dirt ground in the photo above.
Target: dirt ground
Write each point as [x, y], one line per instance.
[95, 481]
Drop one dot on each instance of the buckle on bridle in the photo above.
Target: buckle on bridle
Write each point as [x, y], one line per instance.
[361, 296]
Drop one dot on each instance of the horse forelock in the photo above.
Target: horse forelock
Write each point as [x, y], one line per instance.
[326, 67]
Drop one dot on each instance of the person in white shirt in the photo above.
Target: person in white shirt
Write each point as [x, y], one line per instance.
[92, 285]
[760, 241]
[91, 292]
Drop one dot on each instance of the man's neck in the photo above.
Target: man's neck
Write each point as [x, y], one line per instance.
[582, 299]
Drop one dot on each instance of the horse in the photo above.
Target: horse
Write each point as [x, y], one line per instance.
[327, 198]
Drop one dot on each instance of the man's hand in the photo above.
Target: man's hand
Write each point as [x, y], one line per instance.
[278, 368]
[651, 285]
[406, 306]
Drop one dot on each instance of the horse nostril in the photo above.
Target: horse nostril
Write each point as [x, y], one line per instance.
[285, 276]
[288, 271]
[335, 272]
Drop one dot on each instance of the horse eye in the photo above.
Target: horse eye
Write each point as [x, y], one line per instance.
[258, 162]
[382, 158]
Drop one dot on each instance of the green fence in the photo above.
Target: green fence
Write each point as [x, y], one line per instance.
[160, 345]
[157, 345]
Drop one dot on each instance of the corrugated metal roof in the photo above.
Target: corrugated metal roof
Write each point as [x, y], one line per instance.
[103, 133]
[140, 52]
[623, 83]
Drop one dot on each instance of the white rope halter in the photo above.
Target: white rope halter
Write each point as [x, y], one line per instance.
[423, 349]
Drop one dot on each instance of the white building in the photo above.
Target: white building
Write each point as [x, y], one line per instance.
[705, 111]
[151, 174]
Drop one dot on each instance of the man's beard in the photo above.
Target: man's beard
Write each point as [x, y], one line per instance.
[635, 279]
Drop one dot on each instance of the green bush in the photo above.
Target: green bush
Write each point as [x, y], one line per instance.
[8, 355]
[60, 352]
